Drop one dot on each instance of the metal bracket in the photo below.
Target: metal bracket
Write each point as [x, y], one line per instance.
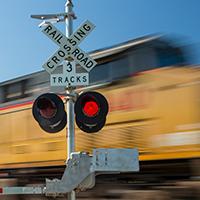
[73, 95]
[81, 169]
[81, 165]
[53, 18]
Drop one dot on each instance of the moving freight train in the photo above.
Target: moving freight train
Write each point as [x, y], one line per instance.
[154, 99]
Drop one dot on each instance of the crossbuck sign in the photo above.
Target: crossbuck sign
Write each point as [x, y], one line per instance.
[69, 49]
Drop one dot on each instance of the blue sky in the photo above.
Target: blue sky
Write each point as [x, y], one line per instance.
[24, 48]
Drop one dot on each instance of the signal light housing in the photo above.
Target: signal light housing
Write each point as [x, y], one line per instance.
[91, 109]
[48, 110]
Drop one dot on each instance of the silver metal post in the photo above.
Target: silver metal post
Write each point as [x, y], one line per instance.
[69, 18]
[70, 103]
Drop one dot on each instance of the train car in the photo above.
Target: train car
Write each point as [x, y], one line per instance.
[153, 95]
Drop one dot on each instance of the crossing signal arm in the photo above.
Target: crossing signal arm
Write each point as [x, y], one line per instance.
[82, 167]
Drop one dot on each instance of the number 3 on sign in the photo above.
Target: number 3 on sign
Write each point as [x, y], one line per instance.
[69, 67]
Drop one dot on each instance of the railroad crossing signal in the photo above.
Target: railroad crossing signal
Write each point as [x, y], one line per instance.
[91, 109]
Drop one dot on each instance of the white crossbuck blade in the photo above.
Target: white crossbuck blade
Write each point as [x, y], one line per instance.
[69, 47]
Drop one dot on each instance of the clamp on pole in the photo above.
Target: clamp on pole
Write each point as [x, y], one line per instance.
[53, 18]
[70, 95]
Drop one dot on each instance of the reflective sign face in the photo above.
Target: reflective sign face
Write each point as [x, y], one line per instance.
[69, 77]
[69, 80]
[68, 47]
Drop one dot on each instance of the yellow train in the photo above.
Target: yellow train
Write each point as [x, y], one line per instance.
[153, 96]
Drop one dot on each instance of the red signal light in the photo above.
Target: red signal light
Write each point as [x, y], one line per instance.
[91, 108]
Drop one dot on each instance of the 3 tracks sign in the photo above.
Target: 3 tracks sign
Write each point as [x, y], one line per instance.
[69, 76]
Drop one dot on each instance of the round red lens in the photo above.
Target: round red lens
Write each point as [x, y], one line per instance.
[91, 108]
[47, 108]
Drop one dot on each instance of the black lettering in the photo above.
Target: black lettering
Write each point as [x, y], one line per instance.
[67, 48]
[76, 37]
[84, 60]
[75, 52]
[48, 28]
[72, 42]
[53, 33]
[84, 79]
[66, 80]
[86, 27]
[89, 64]
[69, 65]
[81, 33]
[48, 65]
[80, 56]
[55, 59]
[78, 79]
[59, 79]
[54, 79]
[57, 36]
[72, 79]
[61, 53]
[58, 40]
